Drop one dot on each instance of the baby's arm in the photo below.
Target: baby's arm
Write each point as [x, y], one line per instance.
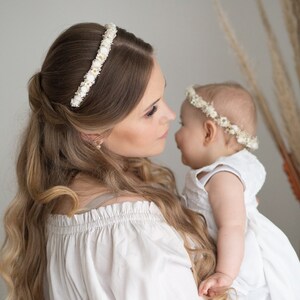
[226, 196]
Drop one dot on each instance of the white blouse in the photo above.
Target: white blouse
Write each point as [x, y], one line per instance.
[123, 251]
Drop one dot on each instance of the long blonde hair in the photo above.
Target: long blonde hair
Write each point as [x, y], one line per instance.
[53, 153]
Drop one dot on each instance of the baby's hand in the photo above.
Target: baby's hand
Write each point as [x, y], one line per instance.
[215, 284]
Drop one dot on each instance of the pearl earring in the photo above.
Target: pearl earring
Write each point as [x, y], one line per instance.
[98, 142]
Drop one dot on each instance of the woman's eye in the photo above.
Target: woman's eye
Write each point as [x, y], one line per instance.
[181, 123]
[152, 111]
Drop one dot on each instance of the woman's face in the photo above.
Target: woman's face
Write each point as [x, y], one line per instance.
[143, 132]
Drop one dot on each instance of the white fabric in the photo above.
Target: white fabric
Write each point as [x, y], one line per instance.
[123, 251]
[270, 268]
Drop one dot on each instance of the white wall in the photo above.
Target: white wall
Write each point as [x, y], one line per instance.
[191, 48]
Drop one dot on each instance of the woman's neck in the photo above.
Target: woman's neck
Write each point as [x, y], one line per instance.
[86, 187]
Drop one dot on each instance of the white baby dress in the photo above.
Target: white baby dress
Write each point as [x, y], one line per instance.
[123, 251]
[270, 268]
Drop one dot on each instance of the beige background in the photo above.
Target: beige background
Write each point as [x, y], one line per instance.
[190, 47]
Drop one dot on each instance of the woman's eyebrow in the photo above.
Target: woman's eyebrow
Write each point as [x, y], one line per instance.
[155, 100]
[152, 104]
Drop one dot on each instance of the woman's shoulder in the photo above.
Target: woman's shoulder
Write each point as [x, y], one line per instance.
[116, 211]
[129, 224]
[121, 240]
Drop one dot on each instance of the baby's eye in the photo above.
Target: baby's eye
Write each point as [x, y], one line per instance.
[152, 111]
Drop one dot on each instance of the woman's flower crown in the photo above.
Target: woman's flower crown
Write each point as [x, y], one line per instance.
[94, 71]
[208, 109]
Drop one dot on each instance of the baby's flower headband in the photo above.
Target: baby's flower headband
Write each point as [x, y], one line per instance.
[241, 136]
[94, 71]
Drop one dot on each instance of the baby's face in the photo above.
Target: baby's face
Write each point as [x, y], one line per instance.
[190, 137]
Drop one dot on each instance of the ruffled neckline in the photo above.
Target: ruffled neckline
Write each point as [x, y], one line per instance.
[104, 215]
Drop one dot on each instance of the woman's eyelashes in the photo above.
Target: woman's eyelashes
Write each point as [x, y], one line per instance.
[152, 111]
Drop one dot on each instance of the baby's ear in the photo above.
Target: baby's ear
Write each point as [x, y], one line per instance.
[210, 128]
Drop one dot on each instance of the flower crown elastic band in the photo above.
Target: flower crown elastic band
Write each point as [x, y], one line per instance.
[241, 136]
[94, 71]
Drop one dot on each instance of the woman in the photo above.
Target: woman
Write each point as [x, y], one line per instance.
[94, 218]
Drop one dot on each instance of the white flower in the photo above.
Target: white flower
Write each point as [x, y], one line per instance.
[210, 111]
[235, 128]
[190, 91]
[90, 76]
[194, 103]
[230, 131]
[223, 122]
[253, 144]
[96, 64]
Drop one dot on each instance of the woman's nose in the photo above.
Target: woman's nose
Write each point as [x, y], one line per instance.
[167, 114]
[171, 115]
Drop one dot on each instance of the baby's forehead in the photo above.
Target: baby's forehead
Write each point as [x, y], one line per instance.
[185, 106]
[188, 110]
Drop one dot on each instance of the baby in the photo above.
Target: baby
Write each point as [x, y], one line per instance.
[218, 131]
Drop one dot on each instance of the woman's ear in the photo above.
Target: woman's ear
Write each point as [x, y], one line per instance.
[89, 137]
[93, 138]
[210, 129]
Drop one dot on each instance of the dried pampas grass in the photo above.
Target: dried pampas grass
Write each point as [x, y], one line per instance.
[291, 14]
[289, 111]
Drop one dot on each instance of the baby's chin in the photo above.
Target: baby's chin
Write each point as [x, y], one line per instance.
[184, 161]
[190, 164]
